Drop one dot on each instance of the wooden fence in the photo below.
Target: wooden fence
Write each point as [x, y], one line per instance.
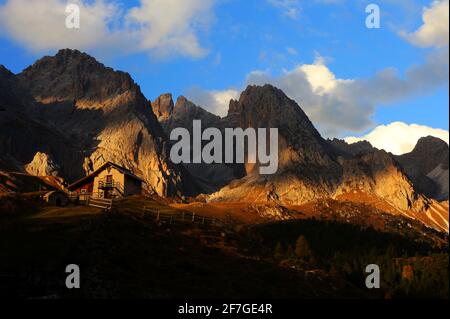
[102, 203]
[182, 217]
[92, 200]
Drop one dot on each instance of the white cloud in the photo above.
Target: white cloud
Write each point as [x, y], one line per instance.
[327, 100]
[338, 105]
[398, 137]
[171, 25]
[320, 77]
[434, 31]
[216, 102]
[159, 27]
[335, 105]
[290, 8]
[40, 25]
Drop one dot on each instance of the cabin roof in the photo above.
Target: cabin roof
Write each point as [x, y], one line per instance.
[91, 176]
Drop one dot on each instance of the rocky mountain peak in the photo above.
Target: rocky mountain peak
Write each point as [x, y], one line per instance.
[71, 75]
[267, 96]
[435, 149]
[343, 148]
[185, 111]
[184, 103]
[102, 112]
[42, 165]
[432, 141]
[427, 167]
[163, 107]
[268, 106]
[429, 152]
[4, 72]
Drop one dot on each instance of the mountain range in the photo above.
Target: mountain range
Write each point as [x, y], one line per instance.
[67, 114]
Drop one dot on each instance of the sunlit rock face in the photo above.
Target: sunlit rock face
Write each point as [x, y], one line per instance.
[104, 115]
[42, 165]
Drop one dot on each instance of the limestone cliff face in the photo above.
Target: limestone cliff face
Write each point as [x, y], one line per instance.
[311, 168]
[299, 142]
[307, 168]
[377, 173]
[104, 113]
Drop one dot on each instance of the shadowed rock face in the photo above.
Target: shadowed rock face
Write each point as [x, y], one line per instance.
[183, 114]
[103, 113]
[210, 177]
[427, 167]
[344, 149]
[22, 135]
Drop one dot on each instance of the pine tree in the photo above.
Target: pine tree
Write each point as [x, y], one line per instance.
[302, 250]
[279, 251]
[289, 252]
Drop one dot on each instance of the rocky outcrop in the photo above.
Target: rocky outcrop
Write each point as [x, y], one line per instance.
[427, 167]
[42, 165]
[307, 167]
[162, 107]
[210, 177]
[377, 173]
[185, 112]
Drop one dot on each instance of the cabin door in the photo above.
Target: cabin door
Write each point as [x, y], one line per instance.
[109, 188]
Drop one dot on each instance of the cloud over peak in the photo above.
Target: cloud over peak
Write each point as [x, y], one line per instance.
[398, 137]
[159, 27]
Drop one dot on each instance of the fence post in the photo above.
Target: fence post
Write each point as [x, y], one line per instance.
[193, 217]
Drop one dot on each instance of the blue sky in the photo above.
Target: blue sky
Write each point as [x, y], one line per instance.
[278, 38]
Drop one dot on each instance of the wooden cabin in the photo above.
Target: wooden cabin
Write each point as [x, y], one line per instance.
[108, 181]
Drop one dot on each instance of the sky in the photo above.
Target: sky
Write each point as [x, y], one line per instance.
[387, 85]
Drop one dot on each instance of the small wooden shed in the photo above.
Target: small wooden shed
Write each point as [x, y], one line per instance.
[56, 198]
